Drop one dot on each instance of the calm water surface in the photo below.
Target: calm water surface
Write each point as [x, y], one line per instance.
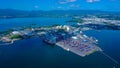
[6, 24]
[33, 53]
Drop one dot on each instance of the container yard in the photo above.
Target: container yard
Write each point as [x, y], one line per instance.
[75, 42]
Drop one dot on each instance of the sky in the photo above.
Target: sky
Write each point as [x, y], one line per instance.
[104, 5]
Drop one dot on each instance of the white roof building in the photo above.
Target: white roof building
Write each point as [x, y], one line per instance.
[16, 32]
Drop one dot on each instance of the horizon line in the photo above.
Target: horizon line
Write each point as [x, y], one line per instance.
[60, 10]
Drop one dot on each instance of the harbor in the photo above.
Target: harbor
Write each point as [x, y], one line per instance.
[68, 37]
[59, 34]
[79, 47]
[76, 42]
[31, 40]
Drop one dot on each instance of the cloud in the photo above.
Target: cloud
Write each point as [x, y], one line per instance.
[36, 6]
[66, 1]
[59, 7]
[74, 6]
[91, 1]
[71, 0]
[62, 2]
[112, 0]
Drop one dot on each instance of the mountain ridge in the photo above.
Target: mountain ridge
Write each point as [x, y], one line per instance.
[12, 13]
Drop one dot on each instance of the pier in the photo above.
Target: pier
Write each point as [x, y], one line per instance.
[80, 48]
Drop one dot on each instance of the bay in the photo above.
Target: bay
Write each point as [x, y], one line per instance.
[33, 53]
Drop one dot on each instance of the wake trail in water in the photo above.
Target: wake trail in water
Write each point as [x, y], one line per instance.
[110, 57]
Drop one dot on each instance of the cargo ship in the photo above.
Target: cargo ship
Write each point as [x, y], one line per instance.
[48, 42]
[52, 37]
[77, 43]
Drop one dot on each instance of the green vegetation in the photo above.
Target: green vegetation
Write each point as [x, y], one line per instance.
[110, 16]
[2, 32]
[16, 37]
[109, 24]
[76, 20]
[55, 25]
[62, 30]
[52, 26]
[6, 32]
[48, 26]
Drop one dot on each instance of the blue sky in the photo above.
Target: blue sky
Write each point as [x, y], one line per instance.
[106, 5]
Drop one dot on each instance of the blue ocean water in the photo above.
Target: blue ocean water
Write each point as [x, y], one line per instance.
[6, 24]
[33, 53]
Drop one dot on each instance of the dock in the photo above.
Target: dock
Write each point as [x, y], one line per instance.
[81, 48]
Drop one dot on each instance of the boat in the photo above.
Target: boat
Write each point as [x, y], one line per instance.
[47, 42]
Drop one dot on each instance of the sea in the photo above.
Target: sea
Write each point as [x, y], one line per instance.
[33, 53]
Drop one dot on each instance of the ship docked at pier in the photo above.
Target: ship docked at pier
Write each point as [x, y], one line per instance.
[76, 42]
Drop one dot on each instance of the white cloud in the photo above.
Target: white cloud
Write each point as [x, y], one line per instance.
[59, 7]
[74, 6]
[66, 1]
[71, 0]
[112, 0]
[91, 1]
[62, 2]
[36, 6]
